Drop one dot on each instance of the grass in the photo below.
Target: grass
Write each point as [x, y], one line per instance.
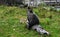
[13, 21]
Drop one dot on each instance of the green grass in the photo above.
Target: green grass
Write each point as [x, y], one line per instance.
[13, 21]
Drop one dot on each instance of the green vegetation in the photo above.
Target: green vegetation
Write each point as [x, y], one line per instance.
[13, 21]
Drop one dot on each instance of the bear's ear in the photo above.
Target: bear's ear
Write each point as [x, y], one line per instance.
[29, 7]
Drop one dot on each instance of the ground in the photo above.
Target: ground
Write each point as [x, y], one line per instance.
[13, 21]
